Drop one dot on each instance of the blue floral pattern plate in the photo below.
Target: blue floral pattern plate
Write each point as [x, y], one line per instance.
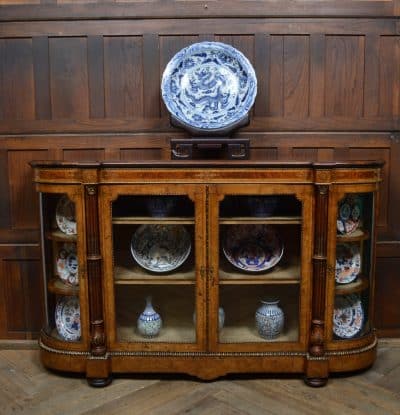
[252, 248]
[209, 86]
[348, 316]
[68, 318]
[160, 248]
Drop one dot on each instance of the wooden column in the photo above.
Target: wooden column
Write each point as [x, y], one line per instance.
[317, 365]
[97, 335]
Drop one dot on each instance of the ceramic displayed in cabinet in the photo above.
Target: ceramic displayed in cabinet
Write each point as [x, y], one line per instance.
[208, 242]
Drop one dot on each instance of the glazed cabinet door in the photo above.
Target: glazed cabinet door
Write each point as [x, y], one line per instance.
[351, 270]
[260, 256]
[154, 266]
[64, 253]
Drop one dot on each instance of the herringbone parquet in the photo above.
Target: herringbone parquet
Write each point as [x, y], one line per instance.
[27, 388]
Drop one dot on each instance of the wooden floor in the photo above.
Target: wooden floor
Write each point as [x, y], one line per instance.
[27, 388]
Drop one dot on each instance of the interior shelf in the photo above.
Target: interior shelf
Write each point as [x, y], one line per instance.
[360, 284]
[139, 220]
[56, 286]
[358, 235]
[168, 334]
[57, 235]
[276, 220]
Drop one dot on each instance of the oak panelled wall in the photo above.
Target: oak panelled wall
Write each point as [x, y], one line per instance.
[73, 87]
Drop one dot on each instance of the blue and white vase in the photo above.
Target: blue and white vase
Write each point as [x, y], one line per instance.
[270, 319]
[149, 322]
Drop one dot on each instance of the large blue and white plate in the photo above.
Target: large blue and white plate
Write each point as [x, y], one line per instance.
[252, 248]
[209, 86]
[160, 248]
[348, 316]
[68, 318]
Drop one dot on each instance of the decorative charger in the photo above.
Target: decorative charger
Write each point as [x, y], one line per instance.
[209, 88]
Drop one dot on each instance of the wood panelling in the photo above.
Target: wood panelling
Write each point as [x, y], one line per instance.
[16, 80]
[76, 86]
[69, 78]
[21, 292]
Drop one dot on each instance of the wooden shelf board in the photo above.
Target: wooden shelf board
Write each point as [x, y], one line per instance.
[168, 334]
[57, 235]
[141, 220]
[56, 286]
[360, 284]
[358, 235]
[278, 220]
[288, 273]
[137, 275]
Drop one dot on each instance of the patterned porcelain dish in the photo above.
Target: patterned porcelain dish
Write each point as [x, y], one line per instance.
[252, 248]
[67, 264]
[349, 215]
[65, 216]
[348, 263]
[160, 248]
[209, 86]
[68, 318]
[348, 316]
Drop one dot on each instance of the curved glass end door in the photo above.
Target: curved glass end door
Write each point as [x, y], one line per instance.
[353, 267]
[60, 238]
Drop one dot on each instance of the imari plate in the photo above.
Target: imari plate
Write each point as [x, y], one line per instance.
[348, 316]
[68, 318]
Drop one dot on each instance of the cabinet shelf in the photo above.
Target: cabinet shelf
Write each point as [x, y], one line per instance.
[276, 220]
[58, 236]
[360, 284]
[288, 273]
[141, 220]
[168, 334]
[56, 286]
[136, 275]
[356, 236]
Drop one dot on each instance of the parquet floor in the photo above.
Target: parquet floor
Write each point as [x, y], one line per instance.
[27, 388]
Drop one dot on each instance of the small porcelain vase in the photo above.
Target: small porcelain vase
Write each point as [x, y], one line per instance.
[149, 322]
[269, 319]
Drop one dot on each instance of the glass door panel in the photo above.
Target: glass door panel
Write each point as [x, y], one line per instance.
[61, 262]
[154, 268]
[260, 268]
[351, 316]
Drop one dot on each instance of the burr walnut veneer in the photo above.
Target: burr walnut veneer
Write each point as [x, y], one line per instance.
[209, 199]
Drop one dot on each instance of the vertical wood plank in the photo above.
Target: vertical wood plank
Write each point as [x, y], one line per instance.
[69, 78]
[275, 107]
[296, 76]
[307, 154]
[5, 215]
[206, 37]
[151, 75]
[261, 66]
[389, 93]
[22, 193]
[325, 154]
[83, 154]
[16, 80]
[371, 86]
[317, 75]
[123, 74]
[41, 70]
[96, 76]
[14, 295]
[344, 76]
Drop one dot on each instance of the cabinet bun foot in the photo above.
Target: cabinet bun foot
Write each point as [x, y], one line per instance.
[99, 382]
[316, 382]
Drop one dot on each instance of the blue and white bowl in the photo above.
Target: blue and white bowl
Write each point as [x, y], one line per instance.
[209, 86]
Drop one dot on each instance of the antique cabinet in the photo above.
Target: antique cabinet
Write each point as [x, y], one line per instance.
[207, 241]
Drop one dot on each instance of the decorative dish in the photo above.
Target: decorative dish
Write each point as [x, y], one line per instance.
[65, 216]
[252, 248]
[68, 318]
[348, 316]
[348, 263]
[160, 248]
[349, 215]
[209, 86]
[67, 264]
